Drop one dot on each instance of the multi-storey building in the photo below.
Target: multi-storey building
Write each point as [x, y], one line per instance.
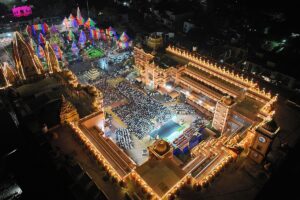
[263, 138]
[222, 113]
[206, 85]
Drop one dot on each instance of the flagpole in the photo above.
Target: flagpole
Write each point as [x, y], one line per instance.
[87, 5]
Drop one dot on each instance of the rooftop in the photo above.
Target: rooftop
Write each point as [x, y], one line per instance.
[248, 107]
[43, 98]
[160, 175]
[165, 61]
[115, 156]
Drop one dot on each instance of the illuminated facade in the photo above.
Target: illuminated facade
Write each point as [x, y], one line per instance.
[228, 96]
[68, 112]
[52, 62]
[222, 113]
[27, 63]
[155, 41]
[195, 76]
[7, 75]
[263, 138]
[151, 74]
[160, 150]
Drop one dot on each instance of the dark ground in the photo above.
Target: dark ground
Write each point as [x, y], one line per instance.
[30, 165]
[284, 182]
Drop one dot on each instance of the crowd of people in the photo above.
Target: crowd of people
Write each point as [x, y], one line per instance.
[123, 138]
[161, 98]
[144, 110]
[182, 109]
[142, 113]
[118, 58]
[110, 94]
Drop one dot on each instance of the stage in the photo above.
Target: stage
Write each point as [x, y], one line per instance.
[169, 131]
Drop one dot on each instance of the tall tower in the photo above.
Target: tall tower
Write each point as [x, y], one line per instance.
[3, 81]
[68, 112]
[27, 63]
[222, 113]
[264, 136]
[7, 75]
[52, 62]
[142, 62]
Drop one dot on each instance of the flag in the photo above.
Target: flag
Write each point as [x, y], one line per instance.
[89, 23]
[74, 23]
[53, 29]
[66, 23]
[102, 34]
[57, 51]
[74, 48]
[45, 28]
[95, 34]
[78, 13]
[71, 17]
[82, 38]
[124, 37]
[111, 32]
[33, 30]
[36, 27]
[70, 36]
[41, 39]
[80, 21]
[40, 52]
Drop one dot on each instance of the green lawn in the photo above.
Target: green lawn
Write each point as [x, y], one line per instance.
[94, 53]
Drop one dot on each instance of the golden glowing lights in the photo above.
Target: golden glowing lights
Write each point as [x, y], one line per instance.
[94, 151]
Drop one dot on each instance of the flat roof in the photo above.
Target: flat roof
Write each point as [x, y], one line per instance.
[208, 91]
[160, 175]
[30, 89]
[221, 83]
[248, 107]
[165, 61]
[42, 94]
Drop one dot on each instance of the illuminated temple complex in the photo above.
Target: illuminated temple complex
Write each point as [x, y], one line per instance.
[228, 97]
[216, 90]
[27, 64]
[208, 86]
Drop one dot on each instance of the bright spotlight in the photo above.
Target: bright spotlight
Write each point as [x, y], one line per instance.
[168, 87]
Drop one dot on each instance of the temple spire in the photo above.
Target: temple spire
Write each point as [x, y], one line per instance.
[68, 113]
[27, 63]
[52, 62]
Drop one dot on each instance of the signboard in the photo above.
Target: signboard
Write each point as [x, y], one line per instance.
[22, 11]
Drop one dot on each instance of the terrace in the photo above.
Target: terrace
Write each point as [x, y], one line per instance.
[43, 97]
[165, 61]
[201, 87]
[178, 59]
[215, 81]
[161, 175]
[248, 107]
